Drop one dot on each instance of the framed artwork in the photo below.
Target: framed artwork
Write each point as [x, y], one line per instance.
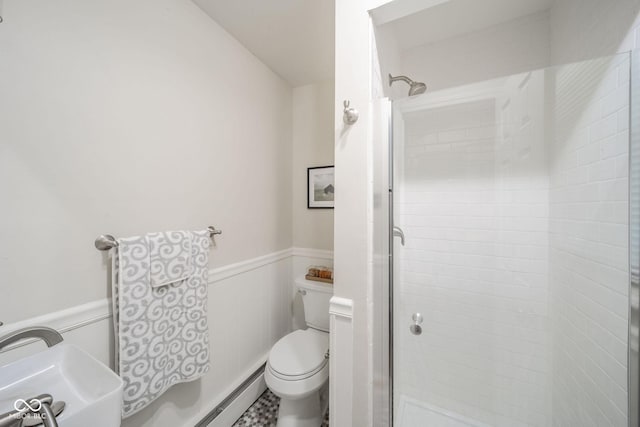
[320, 187]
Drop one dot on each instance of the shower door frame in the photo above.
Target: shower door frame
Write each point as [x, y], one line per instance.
[633, 344]
[385, 393]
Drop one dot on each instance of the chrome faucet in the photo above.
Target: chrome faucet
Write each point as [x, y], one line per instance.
[32, 412]
[50, 336]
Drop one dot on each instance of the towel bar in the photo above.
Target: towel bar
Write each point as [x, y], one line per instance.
[104, 242]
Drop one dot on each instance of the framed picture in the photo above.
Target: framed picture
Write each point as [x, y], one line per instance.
[320, 190]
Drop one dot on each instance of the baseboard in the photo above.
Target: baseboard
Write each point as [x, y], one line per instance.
[240, 404]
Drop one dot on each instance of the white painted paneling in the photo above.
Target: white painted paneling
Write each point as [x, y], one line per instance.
[240, 339]
[249, 309]
[341, 385]
[129, 117]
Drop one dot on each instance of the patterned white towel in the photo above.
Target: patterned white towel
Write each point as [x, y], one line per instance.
[169, 257]
[161, 333]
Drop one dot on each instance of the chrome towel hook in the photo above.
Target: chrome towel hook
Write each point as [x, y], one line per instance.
[350, 114]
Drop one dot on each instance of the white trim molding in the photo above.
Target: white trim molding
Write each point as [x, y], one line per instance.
[341, 361]
[341, 307]
[95, 311]
[63, 320]
[224, 272]
[312, 253]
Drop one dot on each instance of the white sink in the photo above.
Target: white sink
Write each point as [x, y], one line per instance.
[92, 391]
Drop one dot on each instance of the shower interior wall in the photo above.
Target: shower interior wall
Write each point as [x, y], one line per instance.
[577, 302]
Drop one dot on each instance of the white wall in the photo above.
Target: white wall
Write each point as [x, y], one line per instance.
[516, 46]
[312, 146]
[351, 400]
[583, 29]
[125, 118]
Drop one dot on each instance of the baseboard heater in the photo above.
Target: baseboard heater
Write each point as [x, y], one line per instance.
[211, 416]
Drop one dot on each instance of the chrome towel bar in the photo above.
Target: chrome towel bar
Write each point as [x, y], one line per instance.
[104, 242]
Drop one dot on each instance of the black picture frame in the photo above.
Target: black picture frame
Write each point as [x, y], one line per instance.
[321, 187]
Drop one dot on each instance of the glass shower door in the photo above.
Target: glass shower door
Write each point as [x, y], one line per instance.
[510, 292]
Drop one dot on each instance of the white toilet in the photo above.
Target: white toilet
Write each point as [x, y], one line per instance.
[298, 364]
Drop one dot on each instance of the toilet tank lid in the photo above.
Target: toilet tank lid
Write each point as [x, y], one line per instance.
[314, 285]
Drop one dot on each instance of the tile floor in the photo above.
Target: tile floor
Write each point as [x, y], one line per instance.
[264, 413]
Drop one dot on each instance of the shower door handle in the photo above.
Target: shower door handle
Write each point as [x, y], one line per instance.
[416, 329]
[397, 232]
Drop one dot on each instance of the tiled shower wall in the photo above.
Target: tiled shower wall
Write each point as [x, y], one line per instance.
[473, 194]
[589, 243]
[514, 205]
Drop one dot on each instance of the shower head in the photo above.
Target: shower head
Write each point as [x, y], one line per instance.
[415, 88]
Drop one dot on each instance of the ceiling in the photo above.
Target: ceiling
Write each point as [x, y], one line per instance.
[295, 38]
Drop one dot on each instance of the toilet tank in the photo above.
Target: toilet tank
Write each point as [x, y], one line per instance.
[315, 298]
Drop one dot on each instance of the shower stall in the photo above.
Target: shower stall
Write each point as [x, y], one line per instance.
[508, 249]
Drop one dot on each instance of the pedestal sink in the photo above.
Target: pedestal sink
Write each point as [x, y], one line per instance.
[91, 391]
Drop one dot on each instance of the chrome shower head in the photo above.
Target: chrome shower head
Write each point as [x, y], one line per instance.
[415, 88]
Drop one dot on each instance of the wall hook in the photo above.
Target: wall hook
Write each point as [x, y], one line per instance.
[350, 114]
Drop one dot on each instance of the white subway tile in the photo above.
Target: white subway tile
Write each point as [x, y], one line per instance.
[603, 128]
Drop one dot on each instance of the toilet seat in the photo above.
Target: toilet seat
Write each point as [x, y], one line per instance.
[299, 355]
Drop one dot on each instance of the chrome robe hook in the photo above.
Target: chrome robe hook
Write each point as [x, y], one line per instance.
[350, 114]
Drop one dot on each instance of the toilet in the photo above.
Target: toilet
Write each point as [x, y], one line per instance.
[298, 364]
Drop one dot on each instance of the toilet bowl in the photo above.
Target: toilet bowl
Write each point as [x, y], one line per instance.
[298, 364]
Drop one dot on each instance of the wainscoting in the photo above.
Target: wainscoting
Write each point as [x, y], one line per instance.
[251, 305]
[341, 362]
